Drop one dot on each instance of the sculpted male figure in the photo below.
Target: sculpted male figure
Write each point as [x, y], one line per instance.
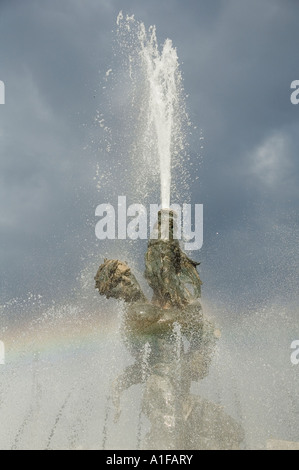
[177, 340]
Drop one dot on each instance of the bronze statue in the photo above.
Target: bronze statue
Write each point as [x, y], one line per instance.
[172, 342]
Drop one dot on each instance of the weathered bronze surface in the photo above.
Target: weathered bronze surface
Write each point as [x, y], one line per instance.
[172, 342]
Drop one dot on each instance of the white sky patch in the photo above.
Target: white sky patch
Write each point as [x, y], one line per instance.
[270, 161]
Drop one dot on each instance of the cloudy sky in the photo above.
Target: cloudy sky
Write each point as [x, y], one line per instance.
[238, 59]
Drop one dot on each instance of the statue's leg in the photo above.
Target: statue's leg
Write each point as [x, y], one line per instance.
[131, 376]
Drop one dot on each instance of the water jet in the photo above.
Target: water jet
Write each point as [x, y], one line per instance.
[169, 337]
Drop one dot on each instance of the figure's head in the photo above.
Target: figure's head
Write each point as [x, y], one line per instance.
[114, 279]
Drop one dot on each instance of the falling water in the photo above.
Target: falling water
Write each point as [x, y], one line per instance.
[106, 418]
[60, 361]
[161, 111]
[178, 338]
[145, 371]
[161, 71]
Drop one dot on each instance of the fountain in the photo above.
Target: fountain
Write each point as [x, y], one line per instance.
[155, 333]
[171, 340]
[163, 81]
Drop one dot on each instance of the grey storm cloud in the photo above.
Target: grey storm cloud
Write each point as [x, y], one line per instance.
[238, 60]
